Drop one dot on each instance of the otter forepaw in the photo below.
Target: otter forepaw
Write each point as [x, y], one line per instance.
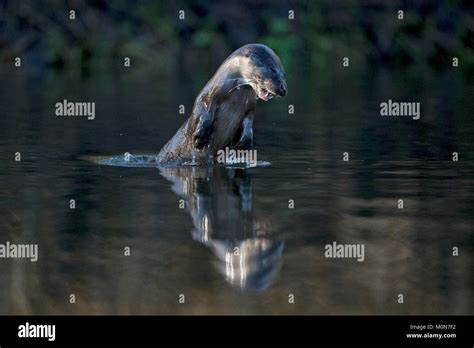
[203, 131]
[245, 143]
[246, 138]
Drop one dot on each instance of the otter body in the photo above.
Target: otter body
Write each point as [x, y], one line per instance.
[223, 111]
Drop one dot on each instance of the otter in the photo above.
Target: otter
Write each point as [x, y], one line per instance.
[223, 112]
[219, 201]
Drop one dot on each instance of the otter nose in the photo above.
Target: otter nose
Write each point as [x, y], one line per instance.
[283, 89]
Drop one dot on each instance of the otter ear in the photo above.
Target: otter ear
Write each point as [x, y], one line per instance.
[248, 54]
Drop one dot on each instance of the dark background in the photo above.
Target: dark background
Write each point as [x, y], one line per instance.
[150, 32]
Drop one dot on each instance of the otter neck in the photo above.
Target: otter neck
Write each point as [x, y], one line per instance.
[232, 73]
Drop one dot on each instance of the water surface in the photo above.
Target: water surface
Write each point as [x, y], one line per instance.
[183, 225]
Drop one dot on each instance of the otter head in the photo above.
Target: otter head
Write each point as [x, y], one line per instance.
[263, 71]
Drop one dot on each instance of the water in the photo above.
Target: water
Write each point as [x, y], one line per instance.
[149, 161]
[182, 225]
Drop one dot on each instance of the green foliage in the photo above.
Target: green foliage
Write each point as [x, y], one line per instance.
[281, 39]
[320, 33]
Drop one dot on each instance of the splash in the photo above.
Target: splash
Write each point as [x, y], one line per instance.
[149, 161]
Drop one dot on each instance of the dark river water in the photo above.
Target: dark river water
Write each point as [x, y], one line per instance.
[183, 225]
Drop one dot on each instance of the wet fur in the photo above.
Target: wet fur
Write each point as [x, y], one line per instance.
[223, 111]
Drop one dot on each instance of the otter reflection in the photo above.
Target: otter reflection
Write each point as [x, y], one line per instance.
[219, 201]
